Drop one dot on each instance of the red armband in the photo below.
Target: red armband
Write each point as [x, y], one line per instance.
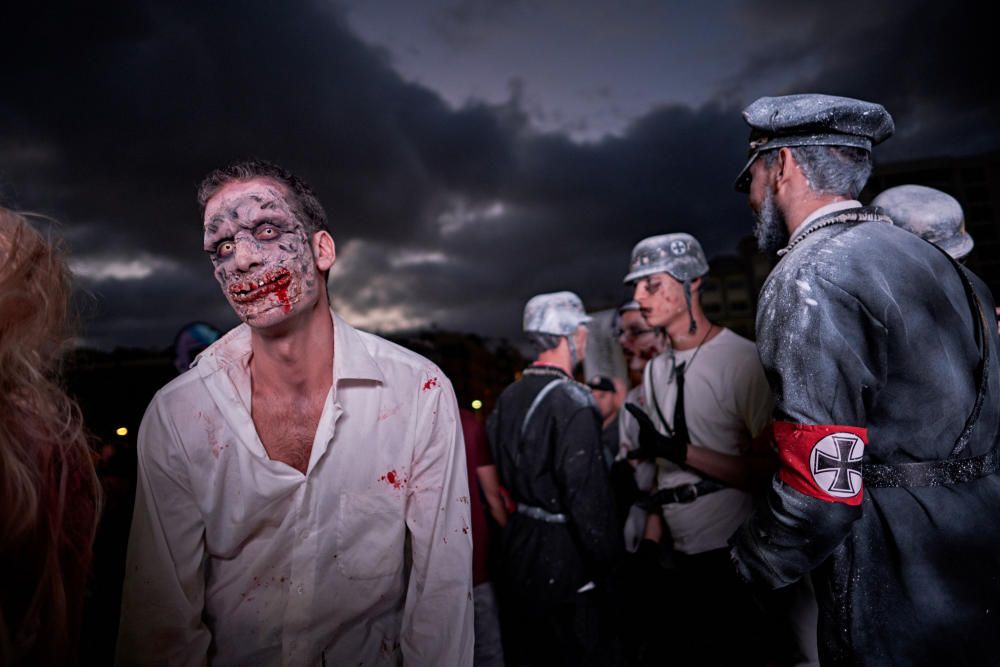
[822, 460]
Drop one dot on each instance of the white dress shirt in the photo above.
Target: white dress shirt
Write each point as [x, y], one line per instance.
[235, 559]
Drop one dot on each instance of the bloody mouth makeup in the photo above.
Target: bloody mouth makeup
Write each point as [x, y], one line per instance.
[261, 251]
[273, 282]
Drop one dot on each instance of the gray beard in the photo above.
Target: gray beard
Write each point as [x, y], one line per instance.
[769, 228]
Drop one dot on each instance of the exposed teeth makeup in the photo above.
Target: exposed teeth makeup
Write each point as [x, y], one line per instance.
[261, 252]
[276, 283]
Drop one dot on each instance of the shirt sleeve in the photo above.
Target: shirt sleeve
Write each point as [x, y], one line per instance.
[437, 616]
[822, 351]
[164, 589]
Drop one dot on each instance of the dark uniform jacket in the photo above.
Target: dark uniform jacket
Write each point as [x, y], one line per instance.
[557, 466]
[863, 324]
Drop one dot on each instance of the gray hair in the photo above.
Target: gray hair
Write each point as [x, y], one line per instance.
[540, 342]
[835, 170]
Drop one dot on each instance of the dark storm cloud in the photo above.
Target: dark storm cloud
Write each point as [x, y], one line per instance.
[928, 63]
[453, 216]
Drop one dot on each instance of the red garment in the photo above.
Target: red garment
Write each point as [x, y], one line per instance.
[477, 453]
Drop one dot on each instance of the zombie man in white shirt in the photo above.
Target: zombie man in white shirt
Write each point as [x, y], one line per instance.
[302, 494]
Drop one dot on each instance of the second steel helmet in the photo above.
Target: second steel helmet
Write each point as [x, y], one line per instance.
[556, 313]
[932, 215]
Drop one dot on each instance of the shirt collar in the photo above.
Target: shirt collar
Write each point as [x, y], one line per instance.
[351, 359]
[822, 211]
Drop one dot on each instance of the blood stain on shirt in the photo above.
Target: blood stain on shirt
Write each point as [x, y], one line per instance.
[433, 382]
[212, 435]
[389, 413]
[394, 478]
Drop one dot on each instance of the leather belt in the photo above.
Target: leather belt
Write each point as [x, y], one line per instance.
[685, 493]
[540, 514]
[930, 473]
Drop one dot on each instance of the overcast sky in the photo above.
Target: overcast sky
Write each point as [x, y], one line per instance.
[469, 154]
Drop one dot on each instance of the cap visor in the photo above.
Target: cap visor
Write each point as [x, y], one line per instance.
[742, 183]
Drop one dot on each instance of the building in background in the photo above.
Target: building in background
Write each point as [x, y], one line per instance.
[729, 291]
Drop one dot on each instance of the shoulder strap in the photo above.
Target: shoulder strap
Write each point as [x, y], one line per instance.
[983, 368]
[649, 381]
[952, 470]
[538, 400]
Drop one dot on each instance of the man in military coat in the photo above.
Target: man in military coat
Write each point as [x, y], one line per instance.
[883, 361]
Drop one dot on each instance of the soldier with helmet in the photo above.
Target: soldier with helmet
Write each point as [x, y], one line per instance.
[937, 218]
[706, 400]
[560, 544]
[931, 214]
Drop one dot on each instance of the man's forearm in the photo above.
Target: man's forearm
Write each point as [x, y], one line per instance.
[489, 481]
[788, 535]
[741, 471]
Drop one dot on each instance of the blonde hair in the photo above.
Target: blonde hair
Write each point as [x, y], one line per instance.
[49, 491]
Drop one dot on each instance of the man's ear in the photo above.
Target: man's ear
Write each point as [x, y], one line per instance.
[787, 169]
[696, 285]
[324, 251]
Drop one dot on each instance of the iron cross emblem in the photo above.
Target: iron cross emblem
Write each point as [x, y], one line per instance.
[835, 464]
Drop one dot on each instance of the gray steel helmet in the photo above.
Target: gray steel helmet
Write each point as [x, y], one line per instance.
[679, 254]
[932, 215]
[631, 304]
[557, 313]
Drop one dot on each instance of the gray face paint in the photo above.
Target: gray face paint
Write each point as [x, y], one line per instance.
[261, 252]
[769, 228]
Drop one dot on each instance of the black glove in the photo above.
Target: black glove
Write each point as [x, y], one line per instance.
[652, 443]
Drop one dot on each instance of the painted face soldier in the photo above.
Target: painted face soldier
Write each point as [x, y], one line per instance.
[302, 496]
[882, 358]
[561, 542]
[705, 401]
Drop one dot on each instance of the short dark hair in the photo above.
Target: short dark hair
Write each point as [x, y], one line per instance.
[303, 197]
[540, 342]
[836, 170]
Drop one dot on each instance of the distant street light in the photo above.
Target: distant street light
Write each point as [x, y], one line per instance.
[476, 404]
[122, 431]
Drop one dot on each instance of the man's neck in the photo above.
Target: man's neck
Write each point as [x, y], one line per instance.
[558, 357]
[297, 360]
[679, 332]
[799, 211]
